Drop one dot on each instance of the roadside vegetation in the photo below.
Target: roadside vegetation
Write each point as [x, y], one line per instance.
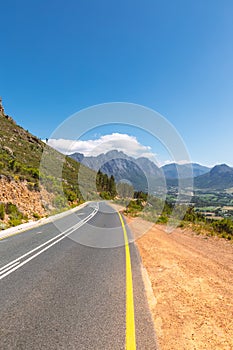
[156, 210]
[20, 162]
[106, 186]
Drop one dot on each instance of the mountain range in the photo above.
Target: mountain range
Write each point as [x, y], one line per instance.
[141, 171]
[20, 166]
[138, 172]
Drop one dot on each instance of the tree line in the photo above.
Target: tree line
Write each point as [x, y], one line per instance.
[106, 186]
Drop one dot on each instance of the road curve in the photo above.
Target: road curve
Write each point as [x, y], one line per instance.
[74, 284]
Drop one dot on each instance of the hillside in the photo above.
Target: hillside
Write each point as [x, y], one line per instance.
[23, 195]
[220, 177]
[170, 170]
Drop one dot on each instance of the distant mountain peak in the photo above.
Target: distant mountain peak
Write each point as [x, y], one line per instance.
[220, 177]
[115, 154]
[220, 169]
[171, 170]
[78, 156]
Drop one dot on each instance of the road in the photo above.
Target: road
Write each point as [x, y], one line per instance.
[74, 283]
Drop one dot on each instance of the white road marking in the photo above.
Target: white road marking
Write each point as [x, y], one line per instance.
[9, 267]
[15, 264]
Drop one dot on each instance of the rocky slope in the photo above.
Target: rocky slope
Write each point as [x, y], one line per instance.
[32, 204]
[21, 187]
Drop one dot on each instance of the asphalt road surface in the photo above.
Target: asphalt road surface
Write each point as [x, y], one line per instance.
[74, 284]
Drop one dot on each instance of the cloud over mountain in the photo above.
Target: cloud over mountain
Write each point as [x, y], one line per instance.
[115, 141]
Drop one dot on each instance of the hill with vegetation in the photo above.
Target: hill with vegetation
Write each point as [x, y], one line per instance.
[28, 191]
[220, 177]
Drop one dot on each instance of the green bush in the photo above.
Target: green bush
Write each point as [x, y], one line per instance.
[15, 221]
[11, 209]
[15, 216]
[134, 207]
[60, 202]
[162, 219]
[2, 165]
[105, 195]
[70, 195]
[2, 211]
[33, 172]
[223, 226]
[36, 216]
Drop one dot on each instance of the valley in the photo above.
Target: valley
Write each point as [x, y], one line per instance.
[33, 189]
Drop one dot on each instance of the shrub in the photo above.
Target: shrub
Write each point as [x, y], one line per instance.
[2, 211]
[223, 226]
[36, 216]
[70, 195]
[162, 219]
[33, 172]
[60, 202]
[15, 221]
[134, 207]
[105, 195]
[11, 209]
[15, 216]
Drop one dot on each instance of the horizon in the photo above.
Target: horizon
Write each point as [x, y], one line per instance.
[86, 154]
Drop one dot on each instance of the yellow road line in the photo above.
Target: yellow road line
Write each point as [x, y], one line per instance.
[130, 338]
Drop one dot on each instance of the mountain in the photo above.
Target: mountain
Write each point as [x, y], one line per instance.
[220, 177]
[140, 172]
[97, 162]
[170, 170]
[126, 171]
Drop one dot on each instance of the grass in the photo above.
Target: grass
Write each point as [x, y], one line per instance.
[20, 160]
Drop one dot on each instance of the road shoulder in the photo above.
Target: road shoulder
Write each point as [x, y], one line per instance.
[191, 277]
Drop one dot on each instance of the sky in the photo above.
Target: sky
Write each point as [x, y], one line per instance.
[175, 57]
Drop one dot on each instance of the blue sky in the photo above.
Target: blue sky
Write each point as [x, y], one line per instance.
[58, 57]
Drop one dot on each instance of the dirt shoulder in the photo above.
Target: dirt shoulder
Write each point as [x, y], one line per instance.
[192, 281]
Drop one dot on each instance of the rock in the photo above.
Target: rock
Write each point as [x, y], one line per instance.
[9, 150]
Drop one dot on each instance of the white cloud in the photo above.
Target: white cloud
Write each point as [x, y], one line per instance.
[121, 142]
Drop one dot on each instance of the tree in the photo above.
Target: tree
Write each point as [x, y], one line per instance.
[112, 186]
